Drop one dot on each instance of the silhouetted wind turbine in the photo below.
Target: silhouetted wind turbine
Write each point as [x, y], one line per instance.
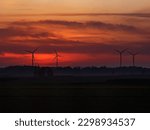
[133, 56]
[120, 54]
[33, 53]
[57, 58]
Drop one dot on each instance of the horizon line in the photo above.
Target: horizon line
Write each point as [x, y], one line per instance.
[91, 66]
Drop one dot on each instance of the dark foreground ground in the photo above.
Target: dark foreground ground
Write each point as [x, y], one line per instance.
[75, 94]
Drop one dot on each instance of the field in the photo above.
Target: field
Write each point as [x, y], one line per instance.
[74, 94]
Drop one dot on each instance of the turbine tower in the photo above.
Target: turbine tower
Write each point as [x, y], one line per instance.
[133, 56]
[57, 58]
[32, 53]
[120, 52]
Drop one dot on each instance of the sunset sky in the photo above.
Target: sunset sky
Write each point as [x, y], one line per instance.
[85, 32]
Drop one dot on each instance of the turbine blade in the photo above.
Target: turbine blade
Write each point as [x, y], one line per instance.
[28, 51]
[137, 53]
[124, 50]
[55, 58]
[35, 50]
[130, 52]
[56, 52]
[117, 51]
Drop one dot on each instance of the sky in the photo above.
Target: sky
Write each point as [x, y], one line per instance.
[84, 32]
[73, 6]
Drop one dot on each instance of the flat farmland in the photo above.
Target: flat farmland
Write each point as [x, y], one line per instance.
[74, 94]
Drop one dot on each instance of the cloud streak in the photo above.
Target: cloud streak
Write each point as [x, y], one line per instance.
[22, 32]
[47, 38]
[83, 25]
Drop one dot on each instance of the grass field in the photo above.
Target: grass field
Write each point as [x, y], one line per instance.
[74, 94]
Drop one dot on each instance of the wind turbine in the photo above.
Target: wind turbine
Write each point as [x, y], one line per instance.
[120, 52]
[133, 56]
[57, 58]
[32, 53]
